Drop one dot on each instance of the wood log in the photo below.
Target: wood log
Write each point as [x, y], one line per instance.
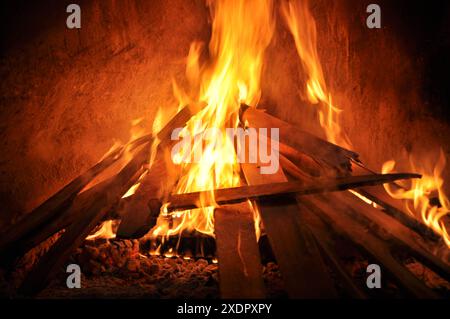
[137, 217]
[243, 193]
[319, 149]
[55, 205]
[61, 209]
[398, 233]
[138, 213]
[322, 233]
[304, 163]
[42, 233]
[49, 265]
[334, 213]
[393, 207]
[179, 120]
[292, 169]
[326, 244]
[240, 269]
[294, 246]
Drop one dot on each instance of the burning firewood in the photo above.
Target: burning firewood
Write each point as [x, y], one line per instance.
[145, 218]
[55, 205]
[293, 244]
[320, 150]
[240, 267]
[98, 204]
[335, 213]
[239, 194]
[75, 234]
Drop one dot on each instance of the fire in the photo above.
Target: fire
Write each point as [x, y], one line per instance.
[241, 31]
[418, 195]
[302, 26]
[106, 231]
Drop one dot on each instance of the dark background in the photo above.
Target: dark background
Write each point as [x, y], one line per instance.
[424, 29]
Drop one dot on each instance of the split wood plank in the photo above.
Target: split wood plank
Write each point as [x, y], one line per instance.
[41, 234]
[55, 205]
[301, 265]
[323, 235]
[303, 162]
[140, 212]
[393, 207]
[136, 213]
[398, 233]
[61, 209]
[326, 244]
[240, 269]
[334, 212]
[317, 148]
[49, 265]
[77, 232]
[239, 194]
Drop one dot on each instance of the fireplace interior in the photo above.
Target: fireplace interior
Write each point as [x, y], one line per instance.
[87, 177]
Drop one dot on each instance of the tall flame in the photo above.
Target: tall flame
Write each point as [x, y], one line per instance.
[241, 31]
[302, 26]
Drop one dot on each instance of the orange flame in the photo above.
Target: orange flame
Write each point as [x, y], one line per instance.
[418, 194]
[302, 26]
[106, 231]
[241, 31]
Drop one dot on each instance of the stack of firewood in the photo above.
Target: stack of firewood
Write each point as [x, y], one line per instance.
[300, 206]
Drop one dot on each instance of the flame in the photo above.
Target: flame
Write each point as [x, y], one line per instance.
[419, 193]
[156, 127]
[106, 231]
[241, 31]
[302, 26]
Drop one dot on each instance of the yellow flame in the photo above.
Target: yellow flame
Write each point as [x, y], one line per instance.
[241, 31]
[106, 231]
[419, 193]
[302, 26]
